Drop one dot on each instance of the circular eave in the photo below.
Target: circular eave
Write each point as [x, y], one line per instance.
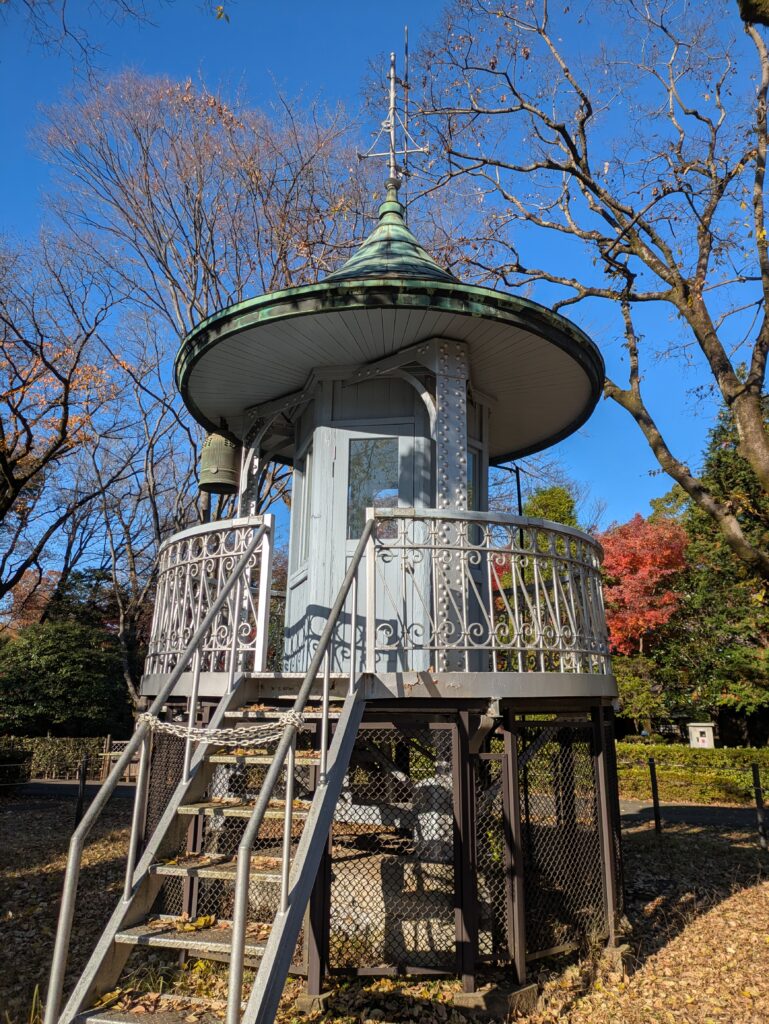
[542, 374]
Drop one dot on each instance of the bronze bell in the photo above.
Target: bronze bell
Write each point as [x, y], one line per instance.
[219, 465]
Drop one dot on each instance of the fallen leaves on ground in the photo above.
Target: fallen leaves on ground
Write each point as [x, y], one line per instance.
[697, 905]
[183, 923]
[33, 853]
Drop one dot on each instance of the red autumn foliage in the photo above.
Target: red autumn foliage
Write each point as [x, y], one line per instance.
[641, 557]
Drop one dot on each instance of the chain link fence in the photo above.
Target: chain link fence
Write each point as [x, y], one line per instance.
[563, 871]
[392, 889]
[394, 880]
[492, 862]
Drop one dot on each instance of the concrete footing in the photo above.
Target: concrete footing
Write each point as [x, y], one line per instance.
[497, 1002]
[312, 1004]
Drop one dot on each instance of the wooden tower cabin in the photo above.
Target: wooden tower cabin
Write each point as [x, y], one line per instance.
[425, 783]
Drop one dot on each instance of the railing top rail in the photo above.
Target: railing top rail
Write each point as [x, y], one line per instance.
[493, 518]
[218, 526]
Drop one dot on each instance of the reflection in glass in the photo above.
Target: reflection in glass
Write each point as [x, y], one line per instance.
[373, 479]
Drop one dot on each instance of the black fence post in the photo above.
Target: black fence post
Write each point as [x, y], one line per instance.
[81, 777]
[759, 795]
[655, 795]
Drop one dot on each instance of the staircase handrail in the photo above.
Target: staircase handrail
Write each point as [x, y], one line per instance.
[284, 748]
[77, 842]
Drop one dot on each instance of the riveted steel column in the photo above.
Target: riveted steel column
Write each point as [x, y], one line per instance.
[451, 368]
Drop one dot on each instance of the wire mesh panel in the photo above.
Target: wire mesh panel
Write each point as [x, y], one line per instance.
[490, 855]
[564, 893]
[200, 871]
[392, 890]
[166, 767]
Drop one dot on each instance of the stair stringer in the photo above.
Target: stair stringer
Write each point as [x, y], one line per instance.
[279, 950]
[108, 959]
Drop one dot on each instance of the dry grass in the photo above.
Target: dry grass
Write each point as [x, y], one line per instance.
[697, 910]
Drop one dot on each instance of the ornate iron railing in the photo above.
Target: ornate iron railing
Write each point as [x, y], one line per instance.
[194, 567]
[479, 592]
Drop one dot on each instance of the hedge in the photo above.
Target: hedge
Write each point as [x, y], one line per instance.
[59, 757]
[691, 774]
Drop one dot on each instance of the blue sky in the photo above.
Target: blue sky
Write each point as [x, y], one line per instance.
[306, 47]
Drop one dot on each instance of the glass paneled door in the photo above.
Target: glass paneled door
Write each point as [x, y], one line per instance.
[374, 467]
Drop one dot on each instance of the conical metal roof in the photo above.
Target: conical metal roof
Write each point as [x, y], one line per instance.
[391, 250]
[540, 372]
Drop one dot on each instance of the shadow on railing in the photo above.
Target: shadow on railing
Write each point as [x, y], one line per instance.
[483, 591]
[194, 566]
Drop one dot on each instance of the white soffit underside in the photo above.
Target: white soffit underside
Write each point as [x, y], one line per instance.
[537, 388]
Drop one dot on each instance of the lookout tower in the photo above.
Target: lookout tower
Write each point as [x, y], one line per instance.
[426, 783]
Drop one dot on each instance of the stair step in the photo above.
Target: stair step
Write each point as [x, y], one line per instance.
[302, 757]
[173, 1012]
[244, 809]
[292, 677]
[248, 714]
[216, 940]
[333, 698]
[225, 869]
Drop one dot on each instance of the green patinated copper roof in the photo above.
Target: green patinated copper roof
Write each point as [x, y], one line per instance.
[391, 250]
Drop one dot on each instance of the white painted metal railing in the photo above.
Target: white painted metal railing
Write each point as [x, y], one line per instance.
[251, 549]
[194, 567]
[483, 591]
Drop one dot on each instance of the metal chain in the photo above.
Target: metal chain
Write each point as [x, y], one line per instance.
[235, 737]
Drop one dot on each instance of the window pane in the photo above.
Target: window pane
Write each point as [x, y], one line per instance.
[372, 481]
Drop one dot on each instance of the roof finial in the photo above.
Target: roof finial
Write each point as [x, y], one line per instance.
[390, 126]
[391, 115]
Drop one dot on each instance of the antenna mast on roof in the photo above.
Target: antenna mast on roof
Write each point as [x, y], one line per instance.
[393, 121]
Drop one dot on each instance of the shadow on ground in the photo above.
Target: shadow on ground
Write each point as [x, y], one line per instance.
[702, 856]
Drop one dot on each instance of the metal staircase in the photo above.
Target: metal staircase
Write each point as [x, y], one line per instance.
[227, 870]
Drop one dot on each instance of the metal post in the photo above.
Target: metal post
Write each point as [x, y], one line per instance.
[315, 947]
[81, 777]
[370, 658]
[105, 766]
[139, 813]
[287, 825]
[324, 718]
[655, 795]
[516, 896]
[759, 795]
[354, 633]
[263, 599]
[193, 714]
[606, 836]
[466, 912]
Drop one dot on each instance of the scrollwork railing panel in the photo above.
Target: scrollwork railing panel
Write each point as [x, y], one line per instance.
[486, 592]
[193, 568]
